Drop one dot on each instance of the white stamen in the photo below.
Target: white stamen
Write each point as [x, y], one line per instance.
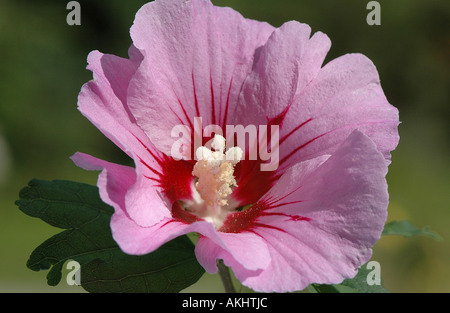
[203, 153]
[215, 170]
[218, 143]
[234, 155]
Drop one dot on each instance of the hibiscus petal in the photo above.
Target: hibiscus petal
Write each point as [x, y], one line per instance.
[196, 57]
[138, 240]
[145, 202]
[321, 219]
[114, 180]
[316, 109]
[114, 183]
[288, 62]
[103, 102]
[134, 239]
[346, 95]
[245, 252]
[135, 195]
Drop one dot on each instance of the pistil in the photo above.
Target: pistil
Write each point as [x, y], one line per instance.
[215, 173]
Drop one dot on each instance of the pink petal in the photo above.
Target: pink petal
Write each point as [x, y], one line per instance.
[346, 95]
[103, 102]
[315, 108]
[121, 188]
[114, 180]
[145, 202]
[114, 183]
[288, 62]
[245, 252]
[134, 239]
[321, 219]
[138, 240]
[196, 57]
[314, 117]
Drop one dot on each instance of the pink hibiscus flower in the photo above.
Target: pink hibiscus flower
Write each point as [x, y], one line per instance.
[314, 216]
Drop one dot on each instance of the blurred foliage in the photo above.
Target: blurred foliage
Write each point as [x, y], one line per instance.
[43, 69]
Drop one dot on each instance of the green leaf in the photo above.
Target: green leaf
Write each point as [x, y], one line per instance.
[406, 229]
[87, 239]
[171, 268]
[323, 288]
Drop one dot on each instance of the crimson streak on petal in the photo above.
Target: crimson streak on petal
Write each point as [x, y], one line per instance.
[175, 177]
[248, 220]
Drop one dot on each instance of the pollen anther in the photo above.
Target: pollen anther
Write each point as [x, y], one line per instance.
[214, 170]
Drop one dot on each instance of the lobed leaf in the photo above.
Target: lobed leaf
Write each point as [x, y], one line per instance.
[87, 239]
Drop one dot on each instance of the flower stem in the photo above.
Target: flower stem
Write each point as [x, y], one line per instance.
[224, 273]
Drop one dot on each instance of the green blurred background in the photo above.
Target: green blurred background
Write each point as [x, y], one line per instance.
[42, 69]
